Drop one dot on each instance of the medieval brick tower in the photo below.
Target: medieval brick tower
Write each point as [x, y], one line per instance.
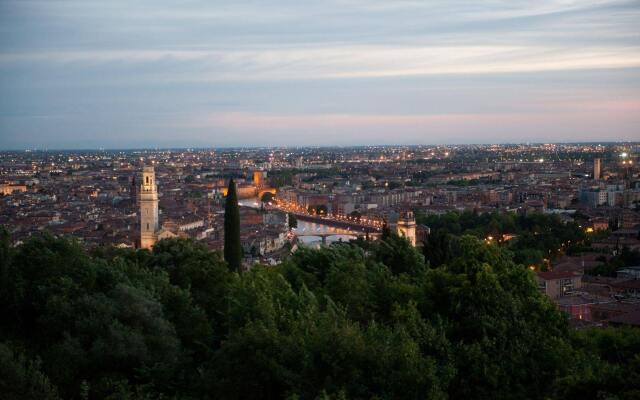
[148, 208]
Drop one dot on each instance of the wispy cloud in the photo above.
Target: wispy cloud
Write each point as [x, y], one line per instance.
[321, 62]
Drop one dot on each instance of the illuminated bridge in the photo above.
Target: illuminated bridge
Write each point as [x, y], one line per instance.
[324, 236]
[353, 227]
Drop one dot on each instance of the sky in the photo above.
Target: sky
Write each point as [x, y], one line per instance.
[156, 73]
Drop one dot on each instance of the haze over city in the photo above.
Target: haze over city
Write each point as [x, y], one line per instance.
[119, 74]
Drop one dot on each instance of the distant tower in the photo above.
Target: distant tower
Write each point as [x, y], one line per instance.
[258, 178]
[596, 169]
[148, 208]
[406, 227]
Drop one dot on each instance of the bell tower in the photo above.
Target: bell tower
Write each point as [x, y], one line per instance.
[406, 227]
[148, 208]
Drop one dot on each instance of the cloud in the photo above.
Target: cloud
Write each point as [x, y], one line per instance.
[346, 61]
[184, 72]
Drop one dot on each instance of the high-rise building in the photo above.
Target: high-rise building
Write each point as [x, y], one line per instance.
[596, 169]
[406, 227]
[148, 198]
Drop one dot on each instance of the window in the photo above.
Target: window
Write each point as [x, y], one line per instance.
[566, 286]
[147, 180]
[147, 226]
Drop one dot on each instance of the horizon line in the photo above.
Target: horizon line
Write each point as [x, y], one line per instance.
[194, 148]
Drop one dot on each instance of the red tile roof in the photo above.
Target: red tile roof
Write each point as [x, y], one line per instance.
[552, 275]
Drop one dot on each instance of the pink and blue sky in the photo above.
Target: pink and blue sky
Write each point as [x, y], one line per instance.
[157, 73]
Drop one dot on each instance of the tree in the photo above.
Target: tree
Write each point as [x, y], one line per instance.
[386, 231]
[232, 245]
[437, 248]
[344, 321]
[5, 271]
[267, 197]
[21, 378]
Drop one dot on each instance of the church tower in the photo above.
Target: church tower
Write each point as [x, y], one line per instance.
[148, 199]
[406, 227]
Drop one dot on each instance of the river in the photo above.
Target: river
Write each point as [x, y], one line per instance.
[309, 228]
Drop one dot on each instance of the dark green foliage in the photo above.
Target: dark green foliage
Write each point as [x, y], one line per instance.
[232, 245]
[23, 379]
[626, 258]
[340, 322]
[397, 253]
[611, 368]
[437, 249]
[386, 231]
[267, 197]
[86, 319]
[537, 236]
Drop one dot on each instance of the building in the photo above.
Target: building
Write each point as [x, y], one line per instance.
[629, 273]
[627, 289]
[406, 227]
[8, 188]
[556, 284]
[593, 197]
[596, 169]
[149, 224]
[258, 178]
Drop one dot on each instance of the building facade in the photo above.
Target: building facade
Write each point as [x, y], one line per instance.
[406, 227]
[149, 223]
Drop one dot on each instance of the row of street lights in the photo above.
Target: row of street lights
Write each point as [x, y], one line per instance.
[294, 207]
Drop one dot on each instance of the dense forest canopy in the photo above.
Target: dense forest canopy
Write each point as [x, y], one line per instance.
[354, 320]
[534, 239]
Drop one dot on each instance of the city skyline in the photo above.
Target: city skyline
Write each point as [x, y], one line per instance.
[151, 149]
[88, 75]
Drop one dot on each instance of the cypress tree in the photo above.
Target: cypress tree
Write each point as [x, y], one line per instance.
[386, 231]
[232, 246]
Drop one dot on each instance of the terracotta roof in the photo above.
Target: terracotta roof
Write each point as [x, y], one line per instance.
[567, 266]
[552, 275]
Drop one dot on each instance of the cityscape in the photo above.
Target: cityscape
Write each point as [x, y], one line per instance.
[568, 214]
[346, 199]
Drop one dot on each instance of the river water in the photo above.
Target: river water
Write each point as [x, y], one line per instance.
[309, 228]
